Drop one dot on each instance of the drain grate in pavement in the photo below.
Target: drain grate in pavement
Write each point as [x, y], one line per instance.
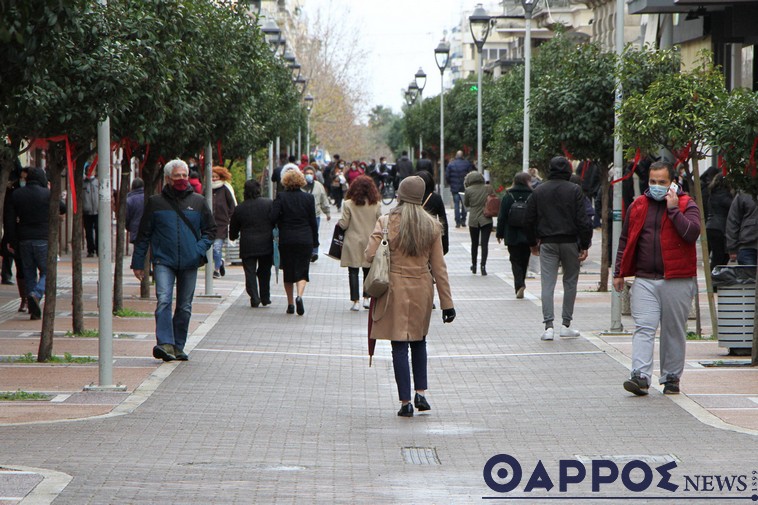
[420, 455]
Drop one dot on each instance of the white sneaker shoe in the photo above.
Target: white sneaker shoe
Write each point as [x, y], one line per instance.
[367, 303]
[567, 332]
[548, 335]
[356, 307]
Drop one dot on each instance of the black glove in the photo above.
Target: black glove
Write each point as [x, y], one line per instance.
[448, 315]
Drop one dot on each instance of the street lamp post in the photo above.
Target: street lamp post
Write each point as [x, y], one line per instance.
[410, 99]
[420, 80]
[480, 23]
[273, 34]
[529, 6]
[442, 57]
[308, 108]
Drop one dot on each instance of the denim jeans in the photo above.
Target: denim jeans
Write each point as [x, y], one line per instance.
[168, 329]
[747, 256]
[218, 248]
[402, 370]
[460, 210]
[34, 254]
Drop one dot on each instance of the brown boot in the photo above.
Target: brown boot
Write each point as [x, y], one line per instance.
[22, 294]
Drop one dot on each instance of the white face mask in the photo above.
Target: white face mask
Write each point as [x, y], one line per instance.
[309, 178]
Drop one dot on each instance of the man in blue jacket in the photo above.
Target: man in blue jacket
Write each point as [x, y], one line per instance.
[455, 174]
[178, 243]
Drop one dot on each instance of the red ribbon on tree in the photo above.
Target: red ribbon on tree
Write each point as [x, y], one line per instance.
[751, 163]
[683, 154]
[69, 163]
[144, 160]
[566, 152]
[722, 165]
[585, 166]
[637, 158]
[220, 154]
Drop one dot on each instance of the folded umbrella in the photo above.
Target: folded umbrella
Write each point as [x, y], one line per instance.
[371, 341]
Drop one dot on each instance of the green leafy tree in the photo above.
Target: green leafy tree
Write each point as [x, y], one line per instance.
[734, 135]
[676, 112]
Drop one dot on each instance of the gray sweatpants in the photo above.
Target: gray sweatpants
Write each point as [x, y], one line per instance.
[664, 302]
[552, 255]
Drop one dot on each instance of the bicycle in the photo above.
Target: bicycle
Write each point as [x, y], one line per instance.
[388, 193]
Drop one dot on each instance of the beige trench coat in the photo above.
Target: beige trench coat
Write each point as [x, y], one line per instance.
[358, 222]
[410, 297]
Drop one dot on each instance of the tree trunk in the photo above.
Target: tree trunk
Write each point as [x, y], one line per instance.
[704, 249]
[606, 223]
[77, 284]
[118, 273]
[45, 351]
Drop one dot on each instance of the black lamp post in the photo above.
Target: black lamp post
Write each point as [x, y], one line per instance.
[442, 58]
[308, 107]
[480, 23]
[273, 34]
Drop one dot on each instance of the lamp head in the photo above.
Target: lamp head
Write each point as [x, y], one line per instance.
[480, 24]
[420, 79]
[442, 55]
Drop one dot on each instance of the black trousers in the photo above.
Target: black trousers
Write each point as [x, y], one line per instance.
[258, 277]
[90, 233]
[717, 247]
[352, 273]
[484, 232]
[402, 371]
[519, 255]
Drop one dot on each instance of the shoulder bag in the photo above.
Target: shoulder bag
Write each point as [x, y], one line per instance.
[378, 279]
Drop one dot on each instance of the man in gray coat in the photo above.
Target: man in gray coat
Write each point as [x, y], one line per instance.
[90, 201]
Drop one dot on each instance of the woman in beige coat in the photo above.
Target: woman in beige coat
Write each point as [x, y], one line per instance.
[360, 211]
[403, 313]
[475, 199]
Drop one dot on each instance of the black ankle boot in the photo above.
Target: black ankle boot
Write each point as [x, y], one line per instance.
[473, 269]
[484, 270]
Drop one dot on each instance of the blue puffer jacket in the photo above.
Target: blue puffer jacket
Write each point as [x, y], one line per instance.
[456, 173]
[172, 243]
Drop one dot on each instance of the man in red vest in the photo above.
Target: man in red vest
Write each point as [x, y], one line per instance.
[657, 247]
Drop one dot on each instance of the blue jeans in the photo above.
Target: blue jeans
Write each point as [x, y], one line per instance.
[747, 256]
[34, 254]
[168, 329]
[218, 247]
[403, 372]
[460, 210]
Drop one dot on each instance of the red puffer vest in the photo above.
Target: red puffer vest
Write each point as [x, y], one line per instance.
[679, 257]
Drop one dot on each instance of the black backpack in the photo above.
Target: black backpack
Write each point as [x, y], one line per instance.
[517, 213]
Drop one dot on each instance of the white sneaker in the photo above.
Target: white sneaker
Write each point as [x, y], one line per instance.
[567, 332]
[548, 335]
[356, 307]
[367, 303]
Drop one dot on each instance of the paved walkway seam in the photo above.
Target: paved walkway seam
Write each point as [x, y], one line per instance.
[53, 483]
[682, 400]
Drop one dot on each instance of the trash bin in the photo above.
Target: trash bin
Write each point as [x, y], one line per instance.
[735, 286]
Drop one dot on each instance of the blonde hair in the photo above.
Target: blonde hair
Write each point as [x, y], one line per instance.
[418, 229]
[293, 179]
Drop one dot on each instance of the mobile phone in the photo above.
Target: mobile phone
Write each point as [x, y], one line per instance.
[675, 187]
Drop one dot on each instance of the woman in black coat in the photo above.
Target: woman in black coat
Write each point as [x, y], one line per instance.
[294, 212]
[434, 205]
[508, 229]
[719, 202]
[251, 222]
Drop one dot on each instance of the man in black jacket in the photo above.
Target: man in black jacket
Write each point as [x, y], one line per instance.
[29, 210]
[559, 232]
[424, 163]
[454, 176]
[403, 167]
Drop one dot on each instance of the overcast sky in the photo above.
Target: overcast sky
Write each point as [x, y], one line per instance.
[399, 36]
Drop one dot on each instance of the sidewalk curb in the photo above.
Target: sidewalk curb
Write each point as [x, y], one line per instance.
[682, 400]
[53, 483]
[150, 385]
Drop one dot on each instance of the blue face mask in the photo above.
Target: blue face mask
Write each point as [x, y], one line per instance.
[309, 178]
[658, 192]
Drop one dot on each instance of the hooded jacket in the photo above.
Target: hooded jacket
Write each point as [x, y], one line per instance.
[434, 205]
[475, 199]
[172, 242]
[29, 209]
[555, 212]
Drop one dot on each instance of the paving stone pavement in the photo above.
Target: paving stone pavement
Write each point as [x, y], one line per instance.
[276, 408]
